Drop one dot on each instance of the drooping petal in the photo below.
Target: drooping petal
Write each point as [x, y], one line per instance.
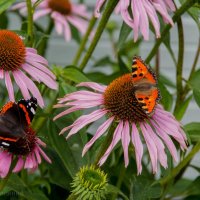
[5, 163]
[100, 131]
[41, 13]
[115, 140]
[92, 85]
[9, 86]
[151, 148]
[98, 6]
[125, 141]
[135, 138]
[19, 166]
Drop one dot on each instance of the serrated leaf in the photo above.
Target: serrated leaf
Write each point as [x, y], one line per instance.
[5, 4]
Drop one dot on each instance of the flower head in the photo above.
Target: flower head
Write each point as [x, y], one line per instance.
[26, 150]
[119, 104]
[16, 59]
[90, 183]
[63, 13]
[137, 14]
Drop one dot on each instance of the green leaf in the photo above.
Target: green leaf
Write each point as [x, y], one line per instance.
[195, 80]
[111, 189]
[193, 130]
[5, 4]
[180, 111]
[143, 189]
[21, 188]
[3, 21]
[70, 150]
[57, 172]
[196, 93]
[193, 188]
[122, 66]
[167, 98]
[124, 33]
[71, 73]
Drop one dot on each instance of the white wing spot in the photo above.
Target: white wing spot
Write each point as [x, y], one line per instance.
[32, 110]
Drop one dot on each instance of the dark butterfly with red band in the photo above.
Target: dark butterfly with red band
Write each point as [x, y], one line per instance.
[15, 118]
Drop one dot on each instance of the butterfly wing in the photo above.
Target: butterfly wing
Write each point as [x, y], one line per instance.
[145, 85]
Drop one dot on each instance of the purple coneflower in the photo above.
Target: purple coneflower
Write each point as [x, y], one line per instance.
[141, 12]
[116, 103]
[26, 150]
[63, 13]
[16, 59]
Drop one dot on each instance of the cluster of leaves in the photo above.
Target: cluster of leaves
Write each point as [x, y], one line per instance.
[53, 181]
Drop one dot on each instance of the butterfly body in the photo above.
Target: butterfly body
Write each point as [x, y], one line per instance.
[145, 85]
[15, 118]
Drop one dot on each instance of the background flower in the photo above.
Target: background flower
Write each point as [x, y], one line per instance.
[16, 59]
[141, 12]
[117, 102]
[26, 150]
[63, 13]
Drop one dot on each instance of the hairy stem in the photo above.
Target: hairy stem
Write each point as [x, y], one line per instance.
[111, 4]
[30, 22]
[84, 40]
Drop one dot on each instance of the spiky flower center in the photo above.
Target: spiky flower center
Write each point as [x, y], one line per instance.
[24, 145]
[120, 100]
[12, 51]
[64, 7]
[90, 183]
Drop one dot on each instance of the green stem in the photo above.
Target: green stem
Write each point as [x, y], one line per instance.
[175, 18]
[120, 180]
[187, 87]
[30, 22]
[180, 166]
[179, 67]
[110, 6]
[5, 180]
[84, 40]
[105, 144]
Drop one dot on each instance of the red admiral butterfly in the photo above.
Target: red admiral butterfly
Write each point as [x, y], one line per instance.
[15, 118]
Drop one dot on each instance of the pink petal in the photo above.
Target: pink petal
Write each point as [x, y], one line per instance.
[21, 84]
[80, 10]
[44, 155]
[32, 88]
[115, 140]
[5, 163]
[19, 166]
[94, 86]
[135, 137]
[125, 141]
[98, 6]
[34, 57]
[151, 147]
[9, 86]
[170, 145]
[41, 13]
[85, 120]
[159, 145]
[1, 73]
[100, 131]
